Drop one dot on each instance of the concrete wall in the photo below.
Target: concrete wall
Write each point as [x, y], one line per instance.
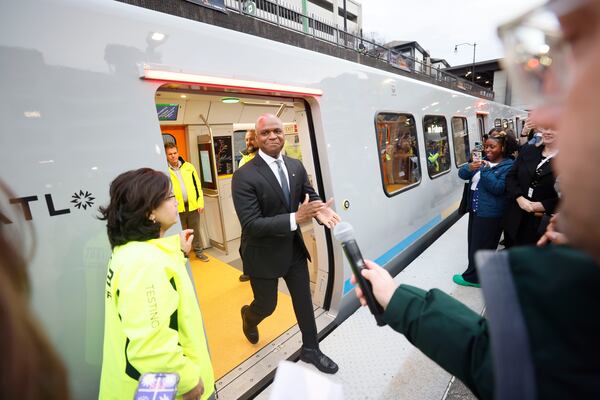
[500, 82]
[506, 94]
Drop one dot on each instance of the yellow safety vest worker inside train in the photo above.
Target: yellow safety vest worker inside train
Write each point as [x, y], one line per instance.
[152, 320]
[192, 186]
[246, 158]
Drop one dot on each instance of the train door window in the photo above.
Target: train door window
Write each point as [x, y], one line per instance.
[497, 123]
[481, 125]
[511, 124]
[504, 124]
[517, 126]
[398, 151]
[460, 140]
[168, 138]
[436, 145]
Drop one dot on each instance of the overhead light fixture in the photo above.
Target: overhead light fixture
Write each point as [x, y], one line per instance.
[212, 81]
[158, 36]
[183, 96]
[544, 49]
[545, 61]
[230, 100]
[468, 73]
[32, 114]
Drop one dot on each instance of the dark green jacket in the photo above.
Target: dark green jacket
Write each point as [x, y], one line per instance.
[559, 293]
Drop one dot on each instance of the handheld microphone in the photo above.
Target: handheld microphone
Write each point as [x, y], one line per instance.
[344, 233]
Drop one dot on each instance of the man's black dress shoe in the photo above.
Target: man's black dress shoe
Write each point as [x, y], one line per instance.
[251, 333]
[319, 360]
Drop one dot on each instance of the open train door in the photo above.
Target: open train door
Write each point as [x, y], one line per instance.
[205, 158]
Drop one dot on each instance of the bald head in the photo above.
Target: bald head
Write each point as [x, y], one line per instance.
[269, 134]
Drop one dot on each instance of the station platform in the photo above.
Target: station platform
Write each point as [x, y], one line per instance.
[379, 363]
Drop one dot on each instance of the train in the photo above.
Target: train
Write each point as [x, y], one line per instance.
[95, 88]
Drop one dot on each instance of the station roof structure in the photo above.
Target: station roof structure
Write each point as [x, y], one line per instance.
[484, 72]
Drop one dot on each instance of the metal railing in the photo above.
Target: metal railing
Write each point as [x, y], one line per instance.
[291, 17]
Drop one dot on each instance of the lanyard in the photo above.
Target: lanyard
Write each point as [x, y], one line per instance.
[545, 160]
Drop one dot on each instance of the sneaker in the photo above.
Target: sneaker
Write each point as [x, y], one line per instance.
[459, 280]
[202, 257]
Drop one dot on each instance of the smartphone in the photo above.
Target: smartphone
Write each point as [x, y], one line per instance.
[477, 156]
[157, 386]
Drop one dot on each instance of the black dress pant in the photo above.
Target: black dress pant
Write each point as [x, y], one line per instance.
[483, 234]
[265, 301]
[528, 232]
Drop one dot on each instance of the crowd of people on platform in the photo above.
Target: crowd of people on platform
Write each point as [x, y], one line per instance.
[511, 189]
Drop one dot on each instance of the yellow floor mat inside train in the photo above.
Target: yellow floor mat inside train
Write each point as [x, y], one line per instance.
[221, 296]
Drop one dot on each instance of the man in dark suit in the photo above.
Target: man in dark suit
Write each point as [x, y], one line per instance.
[272, 197]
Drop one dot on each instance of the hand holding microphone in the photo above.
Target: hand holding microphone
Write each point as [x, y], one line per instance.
[381, 281]
[344, 233]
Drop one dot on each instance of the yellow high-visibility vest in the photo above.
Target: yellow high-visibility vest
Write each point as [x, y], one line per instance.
[152, 321]
[192, 187]
[246, 158]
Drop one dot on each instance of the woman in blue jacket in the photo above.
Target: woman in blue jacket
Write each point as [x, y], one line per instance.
[488, 199]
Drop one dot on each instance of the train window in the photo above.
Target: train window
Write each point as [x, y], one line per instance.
[168, 138]
[504, 123]
[436, 144]
[497, 123]
[398, 151]
[511, 124]
[460, 139]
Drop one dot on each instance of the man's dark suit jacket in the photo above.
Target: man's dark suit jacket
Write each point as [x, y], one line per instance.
[518, 180]
[268, 244]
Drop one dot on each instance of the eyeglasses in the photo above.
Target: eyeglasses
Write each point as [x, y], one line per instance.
[537, 56]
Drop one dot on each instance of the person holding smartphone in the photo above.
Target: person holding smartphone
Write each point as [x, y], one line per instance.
[152, 318]
[486, 176]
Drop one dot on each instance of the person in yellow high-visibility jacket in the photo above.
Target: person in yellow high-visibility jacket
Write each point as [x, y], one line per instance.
[251, 148]
[152, 321]
[188, 192]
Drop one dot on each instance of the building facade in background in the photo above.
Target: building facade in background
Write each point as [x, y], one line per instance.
[324, 10]
[490, 75]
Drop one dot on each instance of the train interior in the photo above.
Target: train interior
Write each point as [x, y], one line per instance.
[209, 129]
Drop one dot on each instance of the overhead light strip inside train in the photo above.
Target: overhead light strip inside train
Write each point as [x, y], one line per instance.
[213, 81]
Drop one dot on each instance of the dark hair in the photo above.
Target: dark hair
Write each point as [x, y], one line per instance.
[509, 142]
[133, 196]
[30, 367]
[170, 145]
